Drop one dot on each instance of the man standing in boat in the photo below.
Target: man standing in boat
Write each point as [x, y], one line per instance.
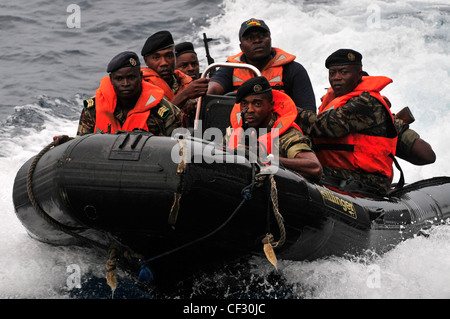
[355, 135]
[124, 101]
[271, 114]
[276, 65]
[179, 88]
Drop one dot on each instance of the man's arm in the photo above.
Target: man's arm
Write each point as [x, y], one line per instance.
[304, 163]
[221, 82]
[192, 91]
[86, 124]
[421, 153]
[358, 114]
[411, 147]
[295, 153]
[215, 88]
[298, 86]
[165, 118]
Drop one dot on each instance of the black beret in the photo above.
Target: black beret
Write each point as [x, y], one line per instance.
[253, 86]
[184, 47]
[159, 41]
[122, 60]
[251, 23]
[344, 57]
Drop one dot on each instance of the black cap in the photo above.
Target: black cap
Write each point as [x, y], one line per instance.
[344, 57]
[252, 23]
[253, 86]
[184, 47]
[159, 41]
[122, 60]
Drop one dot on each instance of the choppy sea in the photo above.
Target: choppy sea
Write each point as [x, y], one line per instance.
[54, 53]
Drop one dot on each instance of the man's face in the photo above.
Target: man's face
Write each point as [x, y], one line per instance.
[259, 112]
[162, 62]
[344, 78]
[188, 64]
[256, 44]
[127, 82]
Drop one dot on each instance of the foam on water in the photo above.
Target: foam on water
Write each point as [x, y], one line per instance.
[405, 40]
[416, 268]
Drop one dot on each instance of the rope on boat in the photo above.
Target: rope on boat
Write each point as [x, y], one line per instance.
[145, 273]
[111, 264]
[181, 168]
[268, 240]
[278, 217]
[111, 276]
[246, 197]
[64, 228]
[276, 211]
[269, 244]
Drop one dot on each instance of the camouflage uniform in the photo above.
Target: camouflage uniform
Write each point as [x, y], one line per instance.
[163, 119]
[290, 143]
[406, 138]
[366, 115]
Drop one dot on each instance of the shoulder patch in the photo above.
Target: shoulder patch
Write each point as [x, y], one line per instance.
[163, 111]
[88, 103]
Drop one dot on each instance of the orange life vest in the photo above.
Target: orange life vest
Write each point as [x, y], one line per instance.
[105, 104]
[286, 112]
[151, 76]
[356, 151]
[273, 71]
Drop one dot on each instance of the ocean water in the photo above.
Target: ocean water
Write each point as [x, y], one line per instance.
[54, 53]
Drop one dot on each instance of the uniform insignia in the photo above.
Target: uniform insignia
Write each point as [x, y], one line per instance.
[351, 57]
[163, 111]
[253, 22]
[133, 62]
[257, 88]
[89, 102]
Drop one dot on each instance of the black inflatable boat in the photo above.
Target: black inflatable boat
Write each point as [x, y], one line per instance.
[177, 204]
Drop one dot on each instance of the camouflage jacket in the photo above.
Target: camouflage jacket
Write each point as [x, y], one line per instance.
[163, 119]
[292, 141]
[366, 115]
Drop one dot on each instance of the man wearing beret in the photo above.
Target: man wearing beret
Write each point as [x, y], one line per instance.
[187, 60]
[272, 115]
[179, 88]
[276, 65]
[124, 101]
[355, 135]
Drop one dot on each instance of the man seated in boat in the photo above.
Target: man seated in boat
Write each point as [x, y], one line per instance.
[179, 88]
[270, 115]
[275, 64]
[124, 101]
[187, 60]
[354, 134]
